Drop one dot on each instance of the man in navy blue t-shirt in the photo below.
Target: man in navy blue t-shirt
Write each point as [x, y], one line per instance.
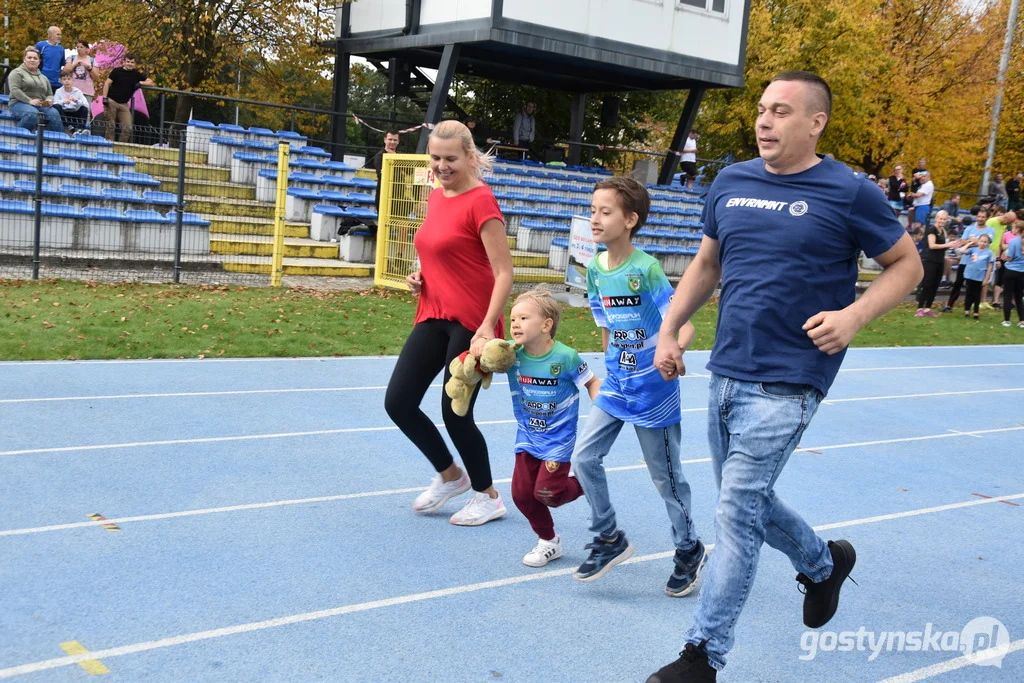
[51, 53]
[782, 233]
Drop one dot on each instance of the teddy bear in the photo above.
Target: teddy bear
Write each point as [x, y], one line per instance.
[467, 371]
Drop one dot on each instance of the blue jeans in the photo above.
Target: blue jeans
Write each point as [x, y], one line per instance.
[752, 429]
[28, 116]
[661, 453]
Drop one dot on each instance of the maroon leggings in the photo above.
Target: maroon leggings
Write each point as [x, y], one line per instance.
[540, 484]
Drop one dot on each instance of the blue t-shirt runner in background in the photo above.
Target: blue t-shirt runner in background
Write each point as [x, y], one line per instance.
[545, 400]
[630, 301]
[1015, 254]
[788, 253]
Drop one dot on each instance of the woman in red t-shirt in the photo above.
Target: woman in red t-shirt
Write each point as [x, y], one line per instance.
[463, 284]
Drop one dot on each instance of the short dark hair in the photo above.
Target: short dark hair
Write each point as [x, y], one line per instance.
[819, 86]
[633, 198]
[391, 131]
[82, 42]
[131, 56]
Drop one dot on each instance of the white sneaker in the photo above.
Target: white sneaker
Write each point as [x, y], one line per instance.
[440, 492]
[1006, 323]
[544, 552]
[480, 509]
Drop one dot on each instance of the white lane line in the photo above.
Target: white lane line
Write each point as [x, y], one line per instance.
[370, 494]
[354, 430]
[960, 662]
[44, 665]
[689, 375]
[271, 504]
[879, 442]
[831, 401]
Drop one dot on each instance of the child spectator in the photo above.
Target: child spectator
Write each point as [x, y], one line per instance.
[82, 72]
[545, 382]
[979, 267]
[71, 103]
[629, 295]
[1013, 276]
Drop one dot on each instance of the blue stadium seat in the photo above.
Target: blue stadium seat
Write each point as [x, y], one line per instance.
[338, 166]
[103, 213]
[79, 192]
[15, 132]
[364, 182]
[119, 159]
[59, 171]
[64, 210]
[359, 197]
[8, 206]
[137, 216]
[15, 167]
[313, 152]
[29, 187]
[139, 179]
[301, 193]
[337, 181]
[360, 212]
[31, 149]
[54, 135]
[93, 140]
[267, 173]
[199, 123]
[165, 198]
[98, 174]
[188, 219]
[120, 195]
[331, 195]
[329, 210]
[76, 154]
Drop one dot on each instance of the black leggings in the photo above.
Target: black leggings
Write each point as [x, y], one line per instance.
[929, 284]
[431, 346]
[957, 284]
[972, 295]
[1013, 289]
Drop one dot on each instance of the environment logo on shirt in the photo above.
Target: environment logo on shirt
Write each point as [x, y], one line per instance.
[798, 208]
[556, 369]
[634, 283]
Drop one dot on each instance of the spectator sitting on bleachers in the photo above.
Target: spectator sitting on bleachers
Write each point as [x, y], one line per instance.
[82, 72]
[31, 95]
[952, 207]
[997, 188]
[71, 103]
[51, 55]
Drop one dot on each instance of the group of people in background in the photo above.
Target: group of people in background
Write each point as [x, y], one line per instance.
[59, 89]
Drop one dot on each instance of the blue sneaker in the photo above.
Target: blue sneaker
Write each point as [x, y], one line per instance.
[688, 568]
[603, 556]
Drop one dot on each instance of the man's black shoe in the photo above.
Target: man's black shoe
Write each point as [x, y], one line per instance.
[691, 667]
[822, 599]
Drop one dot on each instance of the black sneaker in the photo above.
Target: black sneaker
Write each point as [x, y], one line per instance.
[691, 667]
[687, 570]
[603, 556]
[822, 599]
[945, 309]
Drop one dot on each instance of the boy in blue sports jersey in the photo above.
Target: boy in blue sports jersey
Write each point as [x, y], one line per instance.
[545, 382]
[629, 295]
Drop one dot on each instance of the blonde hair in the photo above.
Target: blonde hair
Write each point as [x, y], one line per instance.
[455, 130]
[545, 303]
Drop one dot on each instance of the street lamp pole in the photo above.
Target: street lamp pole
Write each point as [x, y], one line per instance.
[1004, 62]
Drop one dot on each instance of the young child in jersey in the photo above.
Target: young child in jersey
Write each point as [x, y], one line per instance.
[979, 267]
[546, 381]
[629, 295]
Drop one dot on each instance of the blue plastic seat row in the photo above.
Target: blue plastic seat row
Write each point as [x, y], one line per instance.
[232, 128]
[99, 213]
[305, 177]
[54, 136]
[348, 211]
[331, 195]
[85, 174]
[87, 193]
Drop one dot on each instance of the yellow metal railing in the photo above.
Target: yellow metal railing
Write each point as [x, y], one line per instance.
[277, 259]
[405, 182]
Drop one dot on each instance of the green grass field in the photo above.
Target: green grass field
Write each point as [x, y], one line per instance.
[47, 320]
